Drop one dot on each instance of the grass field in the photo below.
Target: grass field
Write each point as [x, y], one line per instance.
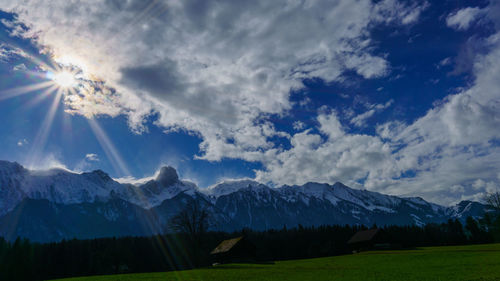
[478, 262]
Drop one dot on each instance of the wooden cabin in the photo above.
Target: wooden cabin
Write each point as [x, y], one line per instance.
[237, 249]
[369, 240]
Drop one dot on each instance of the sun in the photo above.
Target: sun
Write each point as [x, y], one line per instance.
[64, 79]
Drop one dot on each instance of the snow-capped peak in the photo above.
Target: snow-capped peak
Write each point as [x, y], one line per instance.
[339, 192]
[417, 200]
[167, 176]
[66, 187]
[306, 192]
[229, 186]
[98, 174]
[152, 193]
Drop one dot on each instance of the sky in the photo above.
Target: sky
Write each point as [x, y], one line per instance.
[398, 97]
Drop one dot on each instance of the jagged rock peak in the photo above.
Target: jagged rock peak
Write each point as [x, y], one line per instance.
[339, 184]
[101, 174]
[167, 176]
[11, 166]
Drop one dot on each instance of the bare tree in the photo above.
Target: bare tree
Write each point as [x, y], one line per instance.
[493, 199]
[492, 219]
[193, 221]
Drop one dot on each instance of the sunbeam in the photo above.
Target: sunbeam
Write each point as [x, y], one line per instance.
[43, 132]
[38, 98]
[109, 148]
[14, 92]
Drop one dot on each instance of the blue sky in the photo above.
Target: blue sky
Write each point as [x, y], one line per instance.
[399, 97]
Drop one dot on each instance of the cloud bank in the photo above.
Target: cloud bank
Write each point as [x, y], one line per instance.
[215, 68]
[463, 18]
[220, 69]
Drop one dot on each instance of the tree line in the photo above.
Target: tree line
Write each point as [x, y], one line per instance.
[24, 260]
[190, 246]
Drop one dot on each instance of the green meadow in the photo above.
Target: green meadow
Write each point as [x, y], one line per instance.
[476, 262]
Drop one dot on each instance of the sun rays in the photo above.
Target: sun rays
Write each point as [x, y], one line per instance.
[108, 147]
[63, 80]
[56, 82]
[67, 86]
[45, 128]
[14, 92]
[64, 77]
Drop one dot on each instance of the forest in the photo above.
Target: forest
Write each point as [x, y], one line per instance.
[24, 260]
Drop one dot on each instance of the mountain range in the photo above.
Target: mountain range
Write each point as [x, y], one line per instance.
[58, 204]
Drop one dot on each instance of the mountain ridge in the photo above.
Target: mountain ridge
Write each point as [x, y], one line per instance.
[102, 202]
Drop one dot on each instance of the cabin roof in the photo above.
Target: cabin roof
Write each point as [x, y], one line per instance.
[226, 245]
[363, 236]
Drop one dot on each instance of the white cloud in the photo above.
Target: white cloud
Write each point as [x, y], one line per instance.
[87, 162]
[390, 129]
[20, 67]
[305, 101]
[8, 52]
[453, 147]
[298, 125]
[457, 189]
[455, 142]
[22, 142]
[215, 68]
[92, 157]
[360, 120]
[330, 125]
[481, 185]
[15, 29]
[391, 11]
[444, 62]
[218, 69]
[463, 18]
[340, 157]
[48, 161]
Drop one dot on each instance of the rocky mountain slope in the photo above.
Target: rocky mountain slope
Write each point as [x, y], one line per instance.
[58, 204]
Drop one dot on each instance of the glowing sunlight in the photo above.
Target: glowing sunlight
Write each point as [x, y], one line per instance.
[64, 79]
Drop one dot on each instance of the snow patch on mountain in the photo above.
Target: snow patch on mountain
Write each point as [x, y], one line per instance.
[153, 193]
[165, 186]
[420, 201]
[230, 186]
[66, 187]
[56, 185]
[244, 202]
[340, 193]
[417, 220]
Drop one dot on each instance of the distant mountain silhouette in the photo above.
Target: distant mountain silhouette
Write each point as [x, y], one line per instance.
[58, 204]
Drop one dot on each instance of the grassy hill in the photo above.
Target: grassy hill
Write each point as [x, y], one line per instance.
[477, 262]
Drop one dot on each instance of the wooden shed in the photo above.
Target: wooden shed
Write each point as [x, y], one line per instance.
[237, 249]
[369, 239]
